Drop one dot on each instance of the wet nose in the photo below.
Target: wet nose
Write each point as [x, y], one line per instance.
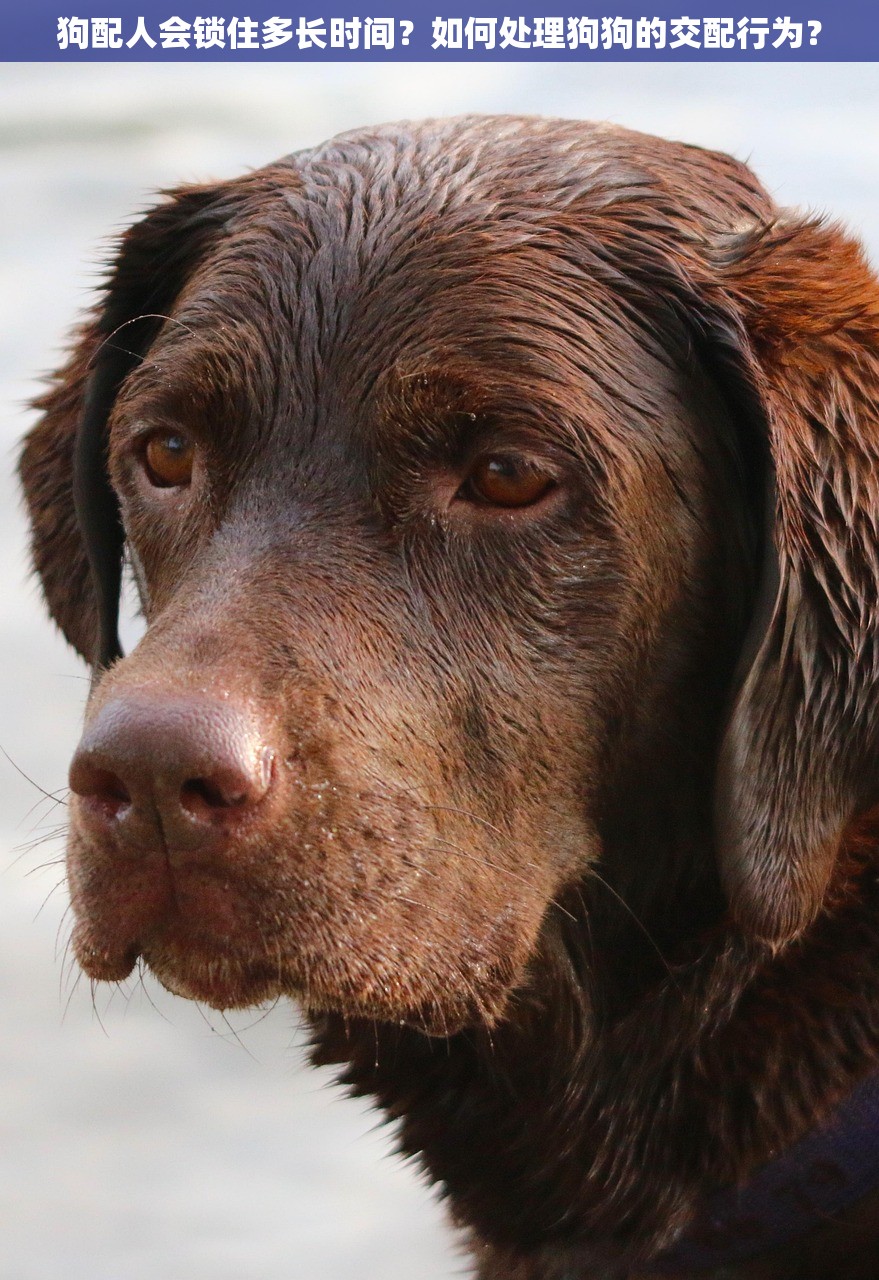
[192, 764]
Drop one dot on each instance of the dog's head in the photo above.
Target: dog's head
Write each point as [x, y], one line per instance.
[501, 497]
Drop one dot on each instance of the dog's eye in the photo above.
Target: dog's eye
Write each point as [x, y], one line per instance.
[506, 480]
[168, 459]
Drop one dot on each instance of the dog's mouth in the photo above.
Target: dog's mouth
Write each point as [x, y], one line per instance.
[235, 942]
[214, 977]
[213, 974]
[206, 951]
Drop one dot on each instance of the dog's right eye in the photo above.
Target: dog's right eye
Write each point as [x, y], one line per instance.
[507, 480]
[168, 459]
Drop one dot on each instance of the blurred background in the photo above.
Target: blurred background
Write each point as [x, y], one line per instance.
[142, 1138]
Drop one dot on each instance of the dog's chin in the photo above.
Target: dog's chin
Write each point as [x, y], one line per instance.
[224, 982]
[217, 979]
[237, 968]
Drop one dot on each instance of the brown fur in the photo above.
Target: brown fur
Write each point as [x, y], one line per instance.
[568, 851]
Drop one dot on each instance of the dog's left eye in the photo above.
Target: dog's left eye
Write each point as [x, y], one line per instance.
[168, 458]
[506, 480]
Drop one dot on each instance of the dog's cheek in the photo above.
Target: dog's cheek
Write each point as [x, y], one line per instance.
[409, 912]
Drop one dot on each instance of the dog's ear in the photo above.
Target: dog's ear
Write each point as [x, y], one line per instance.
[798, 310]
[77, 536]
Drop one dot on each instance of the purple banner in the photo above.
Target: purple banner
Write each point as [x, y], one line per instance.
[114, 30]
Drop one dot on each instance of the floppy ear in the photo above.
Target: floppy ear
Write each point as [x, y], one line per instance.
[799, 758]
[77, 536]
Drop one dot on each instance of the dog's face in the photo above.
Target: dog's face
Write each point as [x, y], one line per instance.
[444, 516]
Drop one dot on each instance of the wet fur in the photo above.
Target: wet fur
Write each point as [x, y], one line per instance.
[598, 923]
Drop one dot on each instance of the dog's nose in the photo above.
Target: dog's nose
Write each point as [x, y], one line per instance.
[191, 764]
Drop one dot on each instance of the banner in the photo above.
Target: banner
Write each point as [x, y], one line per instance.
[557, 31]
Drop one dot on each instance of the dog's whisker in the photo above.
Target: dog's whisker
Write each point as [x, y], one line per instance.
[47, 795]
[28, 847]
[62, 924]
[93, 986]
[592, 873]
[53, 802]
[44, 866]
[108, 340]
[55, 887]
[72, 970]
[235, 1035]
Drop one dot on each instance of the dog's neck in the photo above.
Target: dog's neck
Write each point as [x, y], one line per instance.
[586, 1129]
[798, 1192]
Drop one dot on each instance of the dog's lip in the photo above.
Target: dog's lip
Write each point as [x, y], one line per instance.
[240, 972]
[187, 962]
[102, 959]
[192, 908]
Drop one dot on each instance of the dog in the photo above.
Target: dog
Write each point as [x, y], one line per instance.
[502, 495]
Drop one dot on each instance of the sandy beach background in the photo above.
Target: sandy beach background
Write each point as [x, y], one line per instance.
[140, 1137]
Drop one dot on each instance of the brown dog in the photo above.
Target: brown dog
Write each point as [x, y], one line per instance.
[503, 498]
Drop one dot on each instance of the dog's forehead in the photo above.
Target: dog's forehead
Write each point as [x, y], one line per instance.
[398, 207]
[373, 199]
[535, 159]
[400, 253]
[521, 165]
[418, 237]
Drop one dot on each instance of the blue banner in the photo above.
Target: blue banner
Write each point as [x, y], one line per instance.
[266, 30]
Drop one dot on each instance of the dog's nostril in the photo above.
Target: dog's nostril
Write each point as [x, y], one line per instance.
[98, 785]
[215, 794]
[227, 789]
